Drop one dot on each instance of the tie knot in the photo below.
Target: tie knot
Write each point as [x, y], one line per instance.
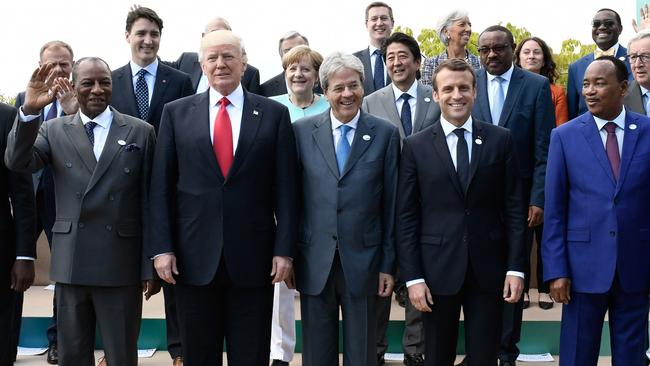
[460, 132]
[610, 127]
[344, 129]
[406, 97]
[377, 52]
[499, 79]
[142, 73]
[224, 102]
[90, 125]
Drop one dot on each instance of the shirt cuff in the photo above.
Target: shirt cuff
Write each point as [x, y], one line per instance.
[414, 282]
[26, 118]
[158, 255]
[516, 273]
[21, 258]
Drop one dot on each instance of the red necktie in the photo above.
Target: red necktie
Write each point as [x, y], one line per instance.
[611, 147]
[222, 139]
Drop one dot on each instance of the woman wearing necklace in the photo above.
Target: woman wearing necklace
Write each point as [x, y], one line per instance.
[301, 66]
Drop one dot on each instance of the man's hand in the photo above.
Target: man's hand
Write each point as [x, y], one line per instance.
[22, 275]
[66, 96]
[291, 280]
[165, 266]
[420, 297]
[535, 216]
[560, 290]
[513, 286]
[39, 92]
[386, 284]
[644, 15]
[281, 269]
[150, 288]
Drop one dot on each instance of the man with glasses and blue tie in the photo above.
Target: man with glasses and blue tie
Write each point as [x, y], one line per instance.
[379, 23]
[520, 101]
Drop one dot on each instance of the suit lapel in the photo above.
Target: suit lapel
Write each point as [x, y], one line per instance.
[590, 131]
[514, 89]
[323, 137]
[119, 130]
[629, 146]
[388, 103]
[78, 138]
[634, 99]
[160, 85]
[482, 102]
[124, 84]
[200, 112]
[250, 123]
[367, 66]
[363, 138]
[477, 149]
[422, 108]
[441, 147]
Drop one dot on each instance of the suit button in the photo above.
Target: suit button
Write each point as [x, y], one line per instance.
[81, 225]
[78, 194]
[334, 237]
[109, 227]
[68, 164]
[612, 233]
[338, 210]
[127, 170]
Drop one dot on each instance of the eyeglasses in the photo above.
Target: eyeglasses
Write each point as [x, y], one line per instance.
[498, 48]
[607, 23]
[383, 18]
[643, 57]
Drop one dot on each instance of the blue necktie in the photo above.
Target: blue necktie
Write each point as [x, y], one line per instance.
[378, 76]
[142, 95]
[53, 112]
[497, 100]
[343, 147]
[405, 115]
[90, 131]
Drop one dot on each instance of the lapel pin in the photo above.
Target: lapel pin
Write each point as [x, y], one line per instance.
[478, 141]
[121, 142]
[632, 126]
[255, 112]
[164, 81]
[366, 138]
[427, 99]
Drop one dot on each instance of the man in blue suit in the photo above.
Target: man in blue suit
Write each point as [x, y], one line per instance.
[606, 27]
[520, 101]
[596, 245]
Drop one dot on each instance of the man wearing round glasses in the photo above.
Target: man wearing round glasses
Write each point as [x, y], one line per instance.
[638, 96]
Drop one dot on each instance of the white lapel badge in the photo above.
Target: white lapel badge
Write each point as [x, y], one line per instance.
[255, 112]
[121, 142]
[632, 126]
[366, 137]
[479, 140]
[427, 99]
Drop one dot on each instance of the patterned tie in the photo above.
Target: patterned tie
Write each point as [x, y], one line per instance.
[405, 115]
[378, 76]
[462, 158]
[598, 52]
[497, 100]
[343, 147]
[90, 127]
[142, 95]
[222, 138]
[53, 112]
[611, 146]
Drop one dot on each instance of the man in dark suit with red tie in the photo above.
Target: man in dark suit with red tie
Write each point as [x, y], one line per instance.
[224, 197]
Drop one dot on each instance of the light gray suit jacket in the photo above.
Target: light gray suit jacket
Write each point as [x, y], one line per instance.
[101, 206]
[382, 104]
[353, 211]
[633, 99]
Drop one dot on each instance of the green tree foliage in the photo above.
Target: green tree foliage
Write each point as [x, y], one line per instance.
[430, 45]
[7, 99]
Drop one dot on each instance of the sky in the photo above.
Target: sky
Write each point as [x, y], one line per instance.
[96, 28]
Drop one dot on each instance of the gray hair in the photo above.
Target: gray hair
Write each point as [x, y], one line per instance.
[209, 28]
[643, 34]
[447, 22]
[290, 35]
[336, 62]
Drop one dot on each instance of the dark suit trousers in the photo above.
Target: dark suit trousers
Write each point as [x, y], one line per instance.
[413, 337]
[582, 324]
[222, 310]
[482, 311]
[117, 311]
[171, 321]
[541, 285]
[9, 330]
[320, 321]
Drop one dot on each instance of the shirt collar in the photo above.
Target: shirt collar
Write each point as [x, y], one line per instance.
[643, 90]
[412, 91]
[506, 75]
[236, 98]
[151, 68]
[619, 121]
[103, 119]
[449, 128]
[336, 123]
[372, 49]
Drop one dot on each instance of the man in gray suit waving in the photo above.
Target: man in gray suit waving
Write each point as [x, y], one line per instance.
[346, 252]
[408, 105]
[101, 163]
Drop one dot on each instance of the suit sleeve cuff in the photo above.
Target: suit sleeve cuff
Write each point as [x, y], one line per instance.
[414, 282]
[158, 255]
[21, 258]
[26, 118]
[516, 273]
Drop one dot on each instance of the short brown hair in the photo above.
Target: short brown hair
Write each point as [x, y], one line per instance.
[379, 4]
[298, 52]
[56, 44]
[143, 12]
[453, 64]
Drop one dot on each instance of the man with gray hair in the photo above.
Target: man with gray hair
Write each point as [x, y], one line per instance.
[277, 84]
[346, 253]
[637, 98]
[188, 62]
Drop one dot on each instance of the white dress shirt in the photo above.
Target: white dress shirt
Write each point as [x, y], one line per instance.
[620, 130]
[413, 92]
[235, 110]
[452, 142]
[149, 77]
[373, 60]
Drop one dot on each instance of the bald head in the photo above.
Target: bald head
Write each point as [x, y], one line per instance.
[217, 23]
